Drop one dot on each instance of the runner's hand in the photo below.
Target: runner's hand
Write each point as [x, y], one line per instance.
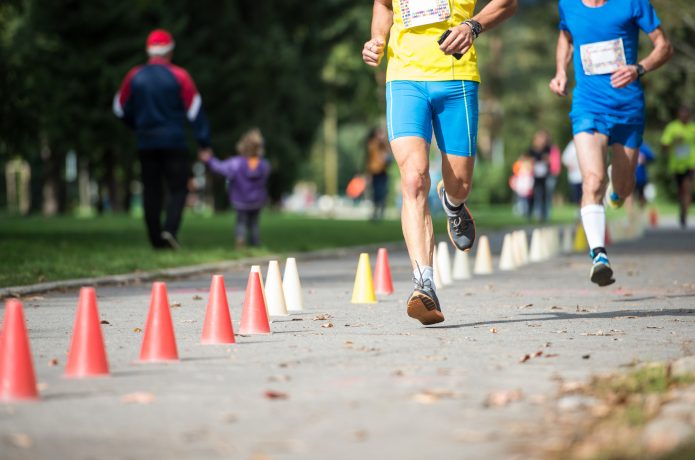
[558, 84]
[459, 40]
[624, 76]
[204, 155]
[373, 51]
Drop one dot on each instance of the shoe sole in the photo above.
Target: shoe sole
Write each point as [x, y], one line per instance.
[417, 309]
[602, 275]
[440, 186]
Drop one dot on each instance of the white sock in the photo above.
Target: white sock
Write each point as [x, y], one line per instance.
[451, 207]
[594, 221]
[427, 273]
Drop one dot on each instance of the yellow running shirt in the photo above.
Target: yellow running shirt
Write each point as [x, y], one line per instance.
[414, 54]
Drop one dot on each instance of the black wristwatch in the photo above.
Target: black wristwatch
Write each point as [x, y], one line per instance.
[640, 70]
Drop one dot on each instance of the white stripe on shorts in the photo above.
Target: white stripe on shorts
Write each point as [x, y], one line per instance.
[468, 119]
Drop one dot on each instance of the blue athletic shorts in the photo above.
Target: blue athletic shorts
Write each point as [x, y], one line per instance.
[623, 131]
[450, 108]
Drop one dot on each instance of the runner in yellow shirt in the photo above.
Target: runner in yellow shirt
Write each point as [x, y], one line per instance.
[432, 85]
[678, 142]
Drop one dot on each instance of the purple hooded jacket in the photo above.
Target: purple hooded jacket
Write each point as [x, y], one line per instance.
[246, 186]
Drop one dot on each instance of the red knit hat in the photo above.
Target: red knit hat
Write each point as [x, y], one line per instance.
[159, 42]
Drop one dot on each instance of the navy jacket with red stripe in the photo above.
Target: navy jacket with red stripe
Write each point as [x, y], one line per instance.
[156, 100]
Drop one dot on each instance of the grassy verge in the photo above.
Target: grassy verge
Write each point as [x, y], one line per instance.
[36, 249]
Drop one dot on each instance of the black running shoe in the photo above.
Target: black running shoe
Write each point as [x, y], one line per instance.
[423, 304]
[461, 228]
[601, 271]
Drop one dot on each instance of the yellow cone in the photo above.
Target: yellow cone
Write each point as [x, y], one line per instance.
[483, 257]
[462, 267]
[507, 256]
[580, 243]
[363, 292]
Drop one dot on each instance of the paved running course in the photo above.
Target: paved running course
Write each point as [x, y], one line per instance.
[376, 384]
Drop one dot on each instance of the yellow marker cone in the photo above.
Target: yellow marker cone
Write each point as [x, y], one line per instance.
[292, 286]
[580, 243]
[507, 256]
[274, 294]
[462, 266]
[363, 292]
[483, 257]
[443, 261]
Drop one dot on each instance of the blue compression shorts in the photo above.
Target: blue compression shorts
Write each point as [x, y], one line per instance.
[623, 131]
[450, 108]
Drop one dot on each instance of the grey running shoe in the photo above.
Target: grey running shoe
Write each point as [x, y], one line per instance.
[170, 241]
[423, 304]
[461, 228]
[601, 271]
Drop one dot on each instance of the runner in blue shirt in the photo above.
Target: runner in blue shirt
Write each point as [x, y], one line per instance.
[601, 37]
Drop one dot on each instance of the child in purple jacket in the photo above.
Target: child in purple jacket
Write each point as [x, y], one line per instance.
[247, 175]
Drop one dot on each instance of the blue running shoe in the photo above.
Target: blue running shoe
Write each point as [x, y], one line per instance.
[601, 271]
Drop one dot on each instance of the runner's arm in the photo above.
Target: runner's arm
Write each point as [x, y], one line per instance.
[661, 53]
[461, 37]
[382, 20]
[563, 55]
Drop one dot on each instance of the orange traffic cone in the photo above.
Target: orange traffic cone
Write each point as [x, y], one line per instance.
[159, 342]
[383, 284]
[217, 328]
[254, 319]
[17, 380]
[87, 356]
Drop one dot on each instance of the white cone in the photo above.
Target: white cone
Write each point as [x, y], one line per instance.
[435, 270]
[294, 300]
[257, 269]
[462, 267]
[536, 252]
[567, 239]
[555, 232]
[444, 263]
[519, 248]
[274, 294]
[507, 256]
[483, 257]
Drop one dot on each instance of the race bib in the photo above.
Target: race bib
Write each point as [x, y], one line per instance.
[602, 57]
[421, 12]
[682, 150]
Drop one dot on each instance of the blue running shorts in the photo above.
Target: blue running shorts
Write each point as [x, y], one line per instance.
[623, 131]
[450, 108]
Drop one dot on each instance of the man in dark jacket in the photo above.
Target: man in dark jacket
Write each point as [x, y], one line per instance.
[156, 100]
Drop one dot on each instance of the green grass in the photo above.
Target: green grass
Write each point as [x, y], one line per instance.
[36, 249]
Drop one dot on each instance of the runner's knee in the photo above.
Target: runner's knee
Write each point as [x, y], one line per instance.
[415, 184]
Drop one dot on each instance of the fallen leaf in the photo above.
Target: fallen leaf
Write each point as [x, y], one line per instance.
[103, 321]
[139, 397]
[270, 394]
[560, 331]
[348, 343]
[432, 396]
[53, 362]
[538, 354]
[534, 324]
[525, 358]
[137, 329]
[21, 440]
[528, 305]
[586, 356]
[297, 319]
[321, 317]
[197, 297]
[398, 373]
[493, 330]
[502, 398]
[279, 378]
[327, 325]
[175, 305]
[551, 355]
[555, 307]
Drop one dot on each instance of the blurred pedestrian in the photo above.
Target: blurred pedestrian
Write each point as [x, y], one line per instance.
[601, 38]
[247, 177]
[521, 183]
[540, 153]
[678, 142]
[574, 173]
[156, 100]
[555, 165]
[646, 156]
[378, 160]
[432, 86]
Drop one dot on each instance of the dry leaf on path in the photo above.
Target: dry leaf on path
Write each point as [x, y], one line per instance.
[137, 329]
[502, 398]
[175, 305]
[493, 330]
[524, 358]
[197, 297]
[327, 325]
[53, 362]
[139, 397]
[323, 317]
[528, 305]
[297, 319]
[103, 321]
[432, 396]
[270, 394]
